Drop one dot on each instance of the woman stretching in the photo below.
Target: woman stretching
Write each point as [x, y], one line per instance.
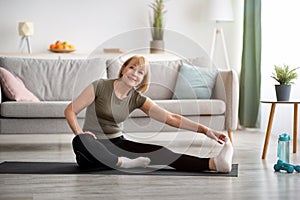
[109, 102]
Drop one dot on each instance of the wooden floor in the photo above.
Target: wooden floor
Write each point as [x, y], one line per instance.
[256, 180]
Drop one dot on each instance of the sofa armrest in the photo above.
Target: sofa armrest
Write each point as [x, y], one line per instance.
[227, 89]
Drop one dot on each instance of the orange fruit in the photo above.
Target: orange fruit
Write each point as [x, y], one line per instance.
[59, 46]
[52, 46]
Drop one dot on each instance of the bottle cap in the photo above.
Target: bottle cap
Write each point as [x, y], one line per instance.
[284, 137]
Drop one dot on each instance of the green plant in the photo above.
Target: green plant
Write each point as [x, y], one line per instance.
[284, 75]
[157, 23]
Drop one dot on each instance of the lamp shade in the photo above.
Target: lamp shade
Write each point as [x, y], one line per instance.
[26, 28]
[220, 10]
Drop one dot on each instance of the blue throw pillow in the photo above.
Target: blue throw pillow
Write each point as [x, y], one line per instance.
[195, 82]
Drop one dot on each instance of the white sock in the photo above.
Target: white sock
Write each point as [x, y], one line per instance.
[224, 160]
[132, 163]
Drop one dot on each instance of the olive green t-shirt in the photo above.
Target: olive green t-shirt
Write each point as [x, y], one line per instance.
[107, 113]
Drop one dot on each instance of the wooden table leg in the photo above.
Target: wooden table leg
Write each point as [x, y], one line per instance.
[295, 127]
[267, 139]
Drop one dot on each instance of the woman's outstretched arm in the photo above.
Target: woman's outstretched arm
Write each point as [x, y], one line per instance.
[156, 112]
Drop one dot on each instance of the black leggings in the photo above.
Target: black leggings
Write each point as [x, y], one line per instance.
[103, 154]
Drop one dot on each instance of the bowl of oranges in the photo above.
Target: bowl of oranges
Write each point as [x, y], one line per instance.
[61, 47]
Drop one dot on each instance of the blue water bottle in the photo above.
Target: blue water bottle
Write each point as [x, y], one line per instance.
[283, 151]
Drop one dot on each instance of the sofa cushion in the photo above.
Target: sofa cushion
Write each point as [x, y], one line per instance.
[43, 109]
[189, 107]
[195, 82]
[163, 76]
[14, 88]
[35, 125]
[163, 79]
[113, 67]
[55, 79]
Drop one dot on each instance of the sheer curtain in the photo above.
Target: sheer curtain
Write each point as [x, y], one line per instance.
[250, 77]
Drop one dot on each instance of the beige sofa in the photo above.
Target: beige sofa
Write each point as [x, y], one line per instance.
[55, 82]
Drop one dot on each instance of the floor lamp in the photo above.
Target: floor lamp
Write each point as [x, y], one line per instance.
[220, 11]
[25, 31]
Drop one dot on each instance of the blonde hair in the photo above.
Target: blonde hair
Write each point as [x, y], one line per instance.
[142, 62]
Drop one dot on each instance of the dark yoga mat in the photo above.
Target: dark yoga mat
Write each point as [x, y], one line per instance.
[72, 168]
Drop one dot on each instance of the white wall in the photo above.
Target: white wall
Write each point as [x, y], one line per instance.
[280, 45]
[88, 24]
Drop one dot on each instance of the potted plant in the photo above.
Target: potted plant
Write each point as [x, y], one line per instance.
[157, 26]
[284, 76]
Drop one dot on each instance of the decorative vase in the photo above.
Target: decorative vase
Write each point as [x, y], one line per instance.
[157, 46]
[283, 92]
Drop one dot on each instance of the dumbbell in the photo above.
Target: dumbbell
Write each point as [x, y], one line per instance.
[296, 167]
[280, 165]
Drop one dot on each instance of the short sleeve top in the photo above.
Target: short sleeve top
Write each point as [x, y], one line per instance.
[109, 110]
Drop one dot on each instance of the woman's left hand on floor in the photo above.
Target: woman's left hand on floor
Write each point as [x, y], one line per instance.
[88, 132]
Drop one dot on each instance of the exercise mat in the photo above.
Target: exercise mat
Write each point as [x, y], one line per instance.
[72, 168]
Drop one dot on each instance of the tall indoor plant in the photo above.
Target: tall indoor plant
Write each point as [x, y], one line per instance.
[157, 26]
[284, 76]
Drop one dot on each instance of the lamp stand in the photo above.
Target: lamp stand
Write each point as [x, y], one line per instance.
[28, 44]
[219, 31]
[27, 38]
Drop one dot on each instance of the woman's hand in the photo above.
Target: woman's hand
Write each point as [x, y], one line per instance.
[216, 135]
[88, 132]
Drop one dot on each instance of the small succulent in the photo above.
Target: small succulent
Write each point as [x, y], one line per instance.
[284, 75]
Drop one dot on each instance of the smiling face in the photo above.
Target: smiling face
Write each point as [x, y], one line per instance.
[134, 73]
